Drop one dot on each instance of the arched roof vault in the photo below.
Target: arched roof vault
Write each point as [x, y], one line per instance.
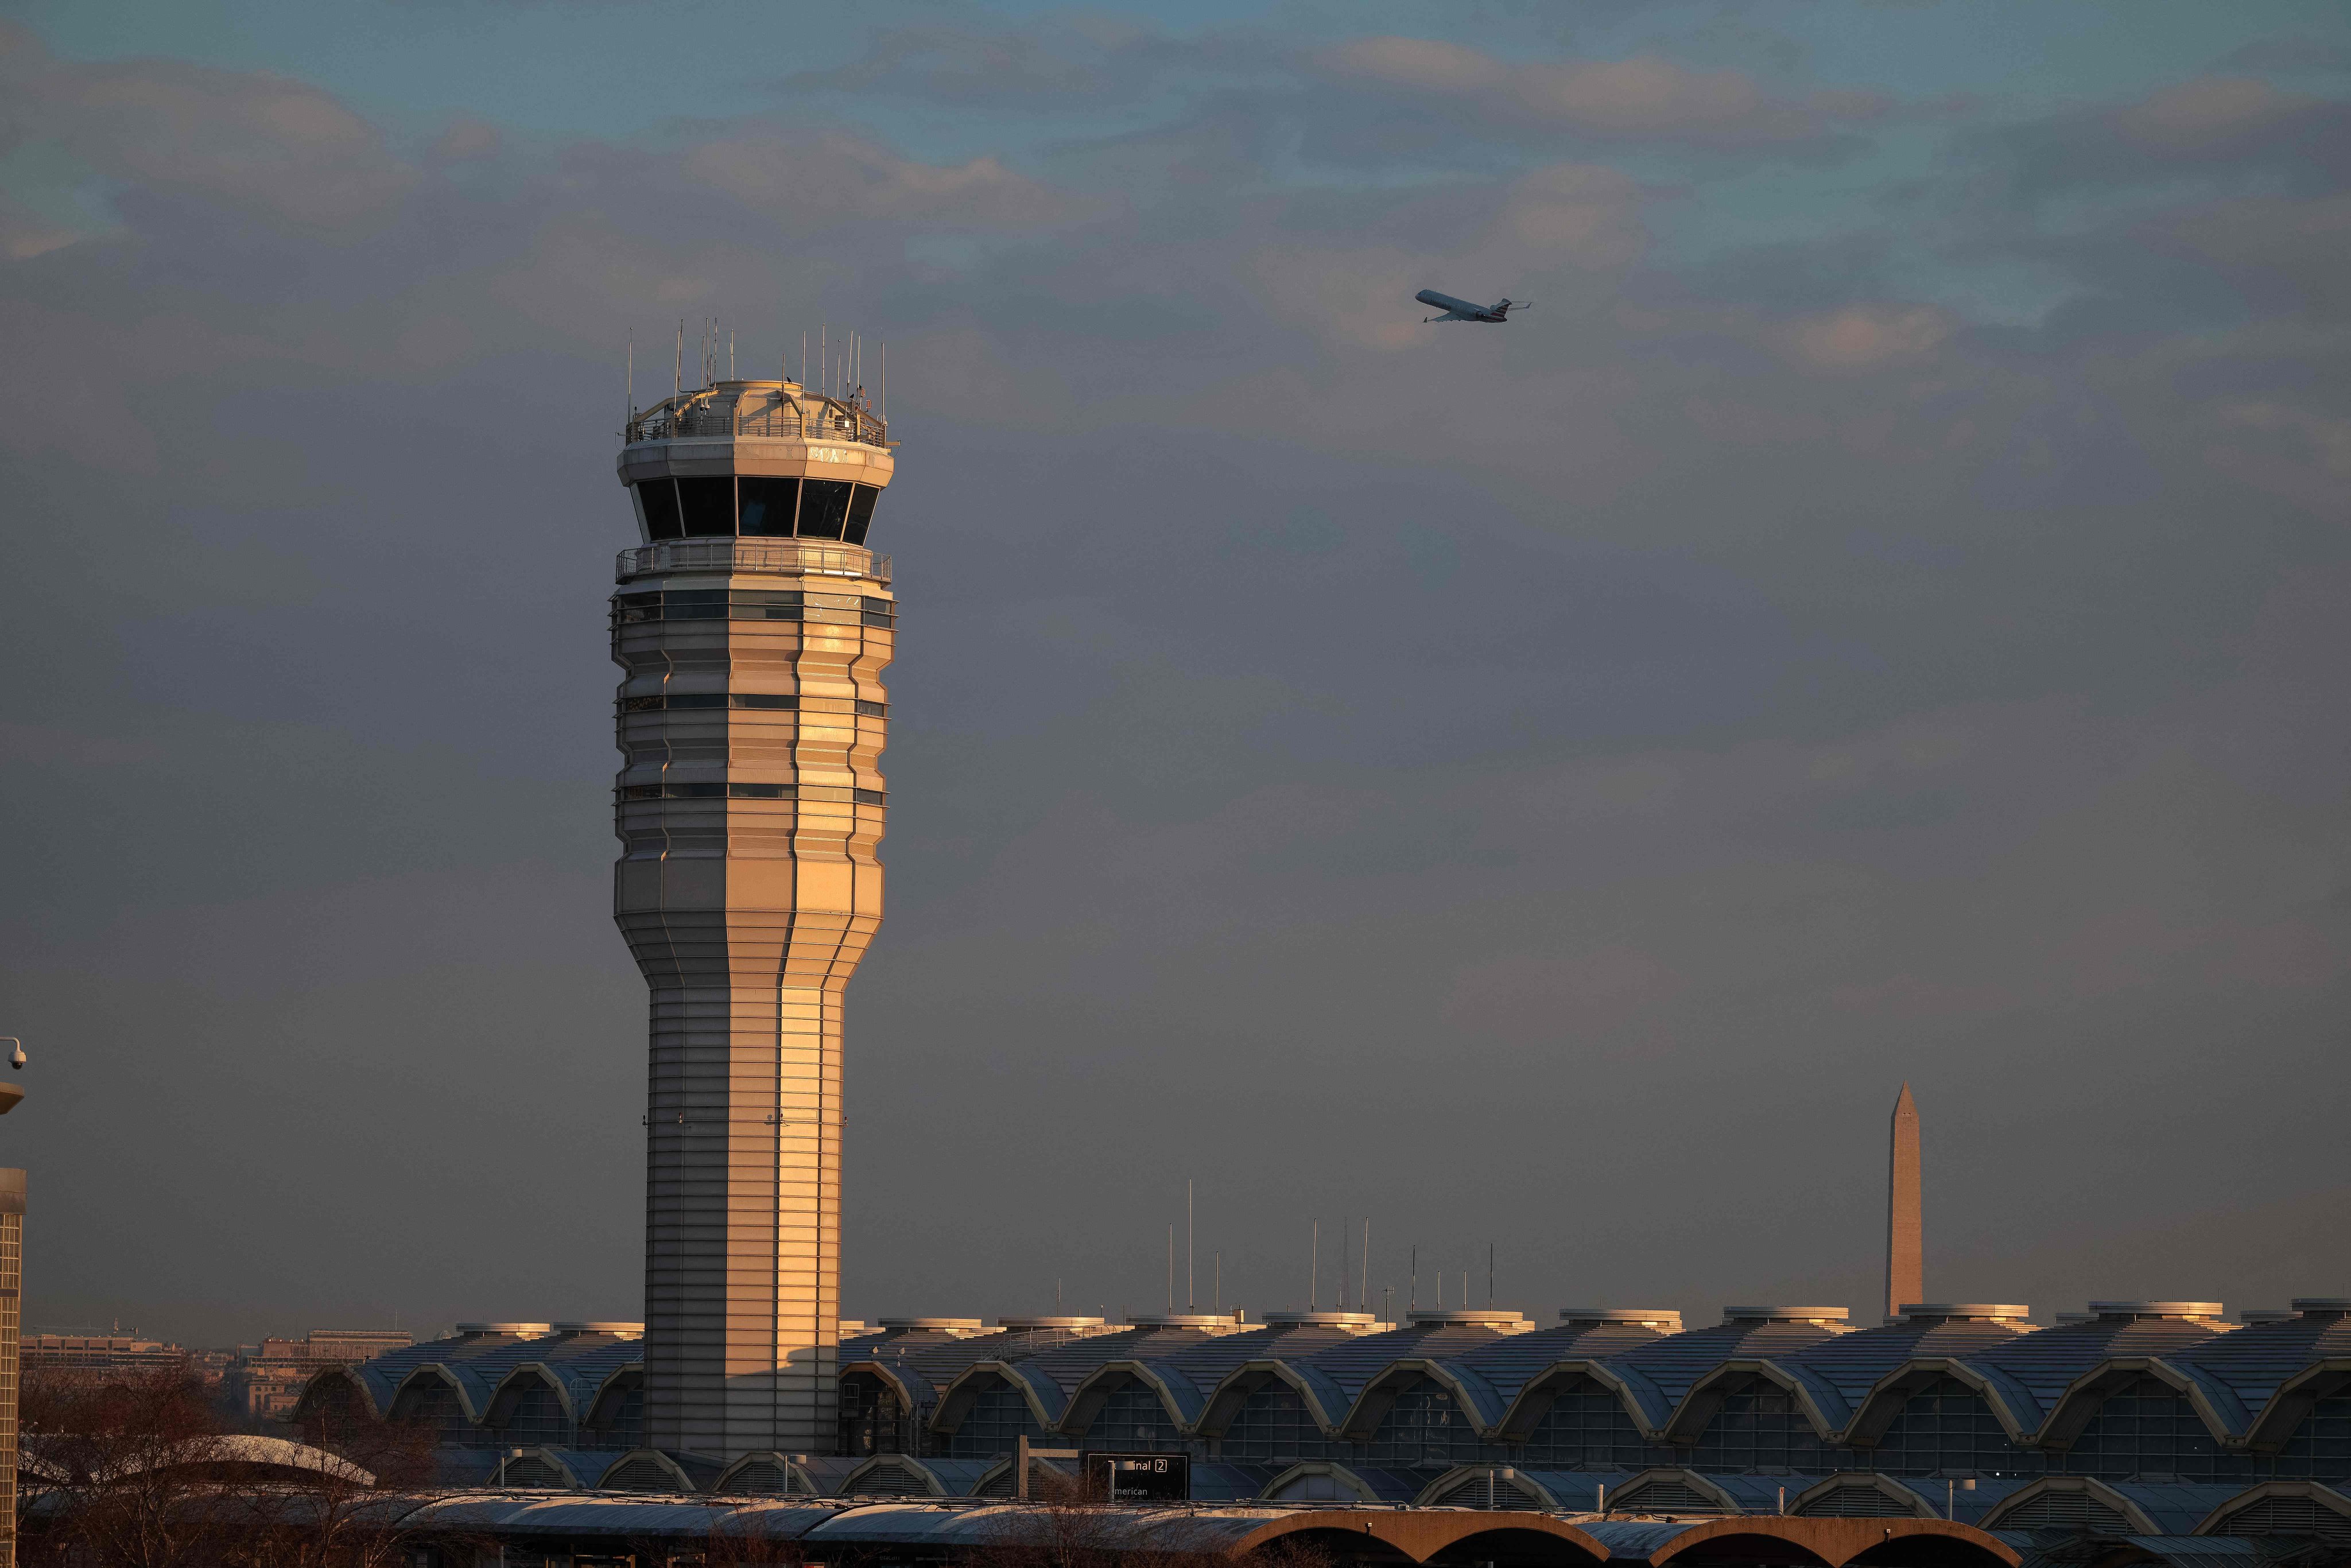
[1325, 1401]
[437, 1372]
[2295, 1398]
[1042, 1395]
[536, 1372]
[346, 1378]
[889, 1375]
[612, 1391]
[1177, 1394]
[1471, 1395]
[1706, 1396]
[2132, 1514]
[2011, 1409]
[1539, 1392]
[2221, 1411]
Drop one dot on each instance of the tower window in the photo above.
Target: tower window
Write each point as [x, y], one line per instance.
[708, 505]
[870, 798]
[686, 701]
[769, 506]
[712, 791]
[877, 612]
[861, 512]
[658, 500]
[871, 709]
[824, 507]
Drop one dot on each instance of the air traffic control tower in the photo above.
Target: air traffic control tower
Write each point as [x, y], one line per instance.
[753, 625]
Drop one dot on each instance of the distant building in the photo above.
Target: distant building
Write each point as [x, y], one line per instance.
[265, 1382]
[114, 1352]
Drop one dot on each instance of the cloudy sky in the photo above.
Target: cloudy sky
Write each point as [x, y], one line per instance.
[1884, 614]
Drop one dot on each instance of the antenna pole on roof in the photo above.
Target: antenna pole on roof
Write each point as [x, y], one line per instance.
[1364, 1292]
[1314, 1266]
[804, 357]
[1191, 1285]
[632, 375]
[1489, 1273]
[1219, 1308]
[884, 387]
[1171, 1271]
[1343, 1263]
[730, 353]
[1412, 1303]
[824, 358]
[677, 370]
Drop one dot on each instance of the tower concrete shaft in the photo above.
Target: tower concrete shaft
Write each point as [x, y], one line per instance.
[1905, 1258]
[752, 627]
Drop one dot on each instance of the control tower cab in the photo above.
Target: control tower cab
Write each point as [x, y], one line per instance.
[751, 625]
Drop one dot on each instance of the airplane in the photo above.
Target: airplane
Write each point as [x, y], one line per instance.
[1462, 310]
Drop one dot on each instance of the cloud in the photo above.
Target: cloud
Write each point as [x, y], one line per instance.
[1869, 337]
[841, 176]
[1645, 96]
[266, 145]
[2207, 111]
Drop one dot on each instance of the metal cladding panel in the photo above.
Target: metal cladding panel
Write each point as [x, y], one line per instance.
[1507, 1362]
[2256, 1360]
[748, 888]
[1069, 1365]
[2177, 1507]
[1852, 1363]
[1351, 1365]
[1674, 1362]
[2047, 1361]
[1224, 1480]
[1207, 1362]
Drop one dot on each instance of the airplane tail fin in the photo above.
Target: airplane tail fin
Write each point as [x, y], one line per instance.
[1507, 306]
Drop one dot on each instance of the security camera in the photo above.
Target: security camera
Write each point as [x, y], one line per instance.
[16, 1056]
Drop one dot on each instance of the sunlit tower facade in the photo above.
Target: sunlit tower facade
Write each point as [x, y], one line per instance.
[752, 625]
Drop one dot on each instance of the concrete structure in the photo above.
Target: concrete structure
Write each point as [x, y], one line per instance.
[1905, 1260]
[752, 626]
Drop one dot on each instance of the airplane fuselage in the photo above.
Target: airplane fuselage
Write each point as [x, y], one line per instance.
[1461, 310]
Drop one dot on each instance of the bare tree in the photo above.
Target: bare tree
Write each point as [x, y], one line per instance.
[107, 1462]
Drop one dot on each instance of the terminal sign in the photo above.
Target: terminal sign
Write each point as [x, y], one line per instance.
[1142, 1478]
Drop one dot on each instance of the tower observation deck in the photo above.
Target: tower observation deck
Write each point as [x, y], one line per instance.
[752, 626]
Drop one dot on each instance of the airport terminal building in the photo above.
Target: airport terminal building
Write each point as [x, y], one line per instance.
[2154, 1417]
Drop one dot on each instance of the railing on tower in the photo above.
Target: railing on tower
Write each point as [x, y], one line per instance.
[724, 411]
[789, 558]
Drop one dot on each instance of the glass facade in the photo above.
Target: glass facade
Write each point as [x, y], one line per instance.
[834, 510]
[435, 1405]
[1760, 1426]
[994, 1424]
[1945, 1428]
[532, 1417]
[1132, 1420]
[870, 1414]
[1273, 1425]
[2320, 1448]
[1424, 1427]
[1586, 1428]
[2147, 1430]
